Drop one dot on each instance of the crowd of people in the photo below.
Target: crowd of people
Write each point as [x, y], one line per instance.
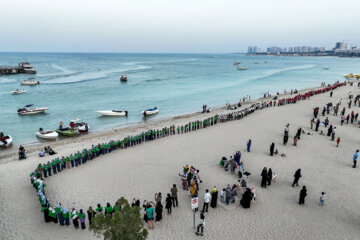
[190, 176]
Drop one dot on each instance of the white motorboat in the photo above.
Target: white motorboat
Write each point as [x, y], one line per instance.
[30, 82]
[241, 68]
[30, 111]
[8, 139]
[150, 111]
[50, 135]
[79, 125]
[114, 113]
[18, 91]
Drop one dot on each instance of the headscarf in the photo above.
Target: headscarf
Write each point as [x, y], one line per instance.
[65, 210]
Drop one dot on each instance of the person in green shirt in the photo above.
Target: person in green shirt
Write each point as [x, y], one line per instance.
[99, 208]
[75, 218]
[150, 209]
[58, 211]
[52, 215]
[108, 209]
[65, 214]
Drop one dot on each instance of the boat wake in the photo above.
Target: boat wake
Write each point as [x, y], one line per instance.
[6, 80]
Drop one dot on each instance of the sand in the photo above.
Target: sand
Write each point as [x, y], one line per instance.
[154, 166]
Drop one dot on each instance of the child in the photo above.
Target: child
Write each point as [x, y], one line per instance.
[201, 225]
[337, 142]
[322, 199]
[222, 195]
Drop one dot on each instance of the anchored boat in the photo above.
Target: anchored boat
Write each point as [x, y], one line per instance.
[5, 140]
[241, 68]
[18, 91]
[30, 111]
[150, 111]
[115, 113]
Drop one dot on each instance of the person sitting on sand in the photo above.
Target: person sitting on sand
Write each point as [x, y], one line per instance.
[41, 153]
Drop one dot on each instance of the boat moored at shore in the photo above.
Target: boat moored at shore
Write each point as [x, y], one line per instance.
[5, 140]
[150, 111]
[49, 135]
[115, 113]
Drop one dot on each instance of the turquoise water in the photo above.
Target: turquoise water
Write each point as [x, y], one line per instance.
[77, 85]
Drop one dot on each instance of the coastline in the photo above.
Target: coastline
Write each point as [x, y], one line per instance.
[102, 135]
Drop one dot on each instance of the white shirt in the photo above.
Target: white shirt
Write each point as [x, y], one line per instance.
[207, 197]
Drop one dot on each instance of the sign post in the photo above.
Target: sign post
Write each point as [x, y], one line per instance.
[194, 206]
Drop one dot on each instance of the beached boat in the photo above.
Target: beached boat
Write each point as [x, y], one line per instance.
[18, 91]
[67, 132]
[114, 113]
[123, 78]
[79, 125]
[5, 139]
[241, 68]
[30, 111]
[30, 82]
[150, 111]
[50, 135]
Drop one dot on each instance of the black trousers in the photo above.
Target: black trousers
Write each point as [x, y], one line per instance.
[205, 207]
[174, 201]
[200, 226]
[354, 164]
[296, 180]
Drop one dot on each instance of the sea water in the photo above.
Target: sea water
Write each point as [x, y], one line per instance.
[75, 85]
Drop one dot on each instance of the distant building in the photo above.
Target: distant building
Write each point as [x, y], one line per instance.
[253, 49]
[340, 46]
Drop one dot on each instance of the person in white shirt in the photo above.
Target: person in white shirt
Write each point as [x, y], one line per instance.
[207, 198]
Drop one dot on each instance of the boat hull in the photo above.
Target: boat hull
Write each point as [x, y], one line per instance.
[33, 111]
[150, 112]
[49, 135]
[113, 113]
[67, 133]
[8, 141]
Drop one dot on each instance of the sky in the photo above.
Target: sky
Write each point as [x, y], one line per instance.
[168, 26]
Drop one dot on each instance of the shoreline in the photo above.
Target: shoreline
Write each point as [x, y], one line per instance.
[112, 133]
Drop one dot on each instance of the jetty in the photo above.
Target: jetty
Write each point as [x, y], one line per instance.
[23, 67]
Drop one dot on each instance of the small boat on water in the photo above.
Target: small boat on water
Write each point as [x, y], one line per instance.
[79, 125]
[241, 68]
[123, 78]
[325, 68]
[30, 111]
[18, 91]
[5, 140]
[236, 63]
[115, 113]
[256, 63]
[150, 111]
[30, 82]
[50, 135]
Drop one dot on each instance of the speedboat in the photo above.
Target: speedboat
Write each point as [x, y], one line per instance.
[51, 135]
[114, 113]
[18, 91]
[241, 68]
[30, 81]
[123, 78]
[30, 111]
[79, 125]
[150, 111]
[67, 132]
[5, 140]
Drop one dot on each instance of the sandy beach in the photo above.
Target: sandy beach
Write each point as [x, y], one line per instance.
[152, 167]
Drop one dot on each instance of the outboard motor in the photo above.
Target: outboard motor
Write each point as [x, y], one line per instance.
[126, 113]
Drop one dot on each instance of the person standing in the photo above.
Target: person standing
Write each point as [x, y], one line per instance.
[298, 133]
[270, 176]
[168, 203]
[285, 140]
[264, 177]
[322, 199]
[214, 196]
[65, 214]
[201, 225]
[227, 195]
[333, 134]
[356, 158]
[82, 218]
[303, 193]
[337, 142]
[297, 176]
[272, 147]
[174, 195]
[330, 130]
[248, 145]
[207, 198]
[158, 211]
[91, 215]
[150, 208]
[317, 125]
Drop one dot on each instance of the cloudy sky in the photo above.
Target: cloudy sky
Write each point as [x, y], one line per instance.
[186, 26]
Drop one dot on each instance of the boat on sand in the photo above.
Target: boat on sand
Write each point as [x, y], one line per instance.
[5, 140]
[50, 135]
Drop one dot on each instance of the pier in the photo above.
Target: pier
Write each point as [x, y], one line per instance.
[23, 67]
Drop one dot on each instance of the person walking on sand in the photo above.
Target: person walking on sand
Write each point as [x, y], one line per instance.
[303, 193]
[299, 133]
[207, 198]
[333, 134]
[264, 177]
[285, 140]
[312, 123]
[272, 148]
[295, 140]
[168, 203]
[317, 125]
[337, 142]
[269, 177]
[214, 196]
[200, 226]
[174, 195]
[322, 199]
[330, 130]
[297, 176]
[356, 158]
[248, 145]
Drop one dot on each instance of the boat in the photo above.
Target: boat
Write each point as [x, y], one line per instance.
[79, 125]
[352, 76]
[27, 67]
[30, 82]
[18, 91]
[123, 78]
[150, 111]
[30, 111]
[67, 132]
[325, 68]
[236, 63]
[50, 135]
[5, 140]
[115, 113]
[256, 63]
[241, 68]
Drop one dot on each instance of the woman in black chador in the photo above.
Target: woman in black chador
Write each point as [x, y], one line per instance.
[297, 176]
[264, 177]
[303, 194]
[272, 147]
[214, 196]
[246, 198]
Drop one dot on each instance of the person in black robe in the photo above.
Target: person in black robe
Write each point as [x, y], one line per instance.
[264, 177]
[298, 133]
[286, 138]
[168, 203]
[158, 211]
[317, 125]
[297, 176]
[246, 198]
[46, 213]
[214, 196]
[272, 147]
[330, 129]
[302, 196]
[269, 177]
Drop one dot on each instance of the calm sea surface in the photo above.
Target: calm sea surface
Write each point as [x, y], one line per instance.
[77, 85]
